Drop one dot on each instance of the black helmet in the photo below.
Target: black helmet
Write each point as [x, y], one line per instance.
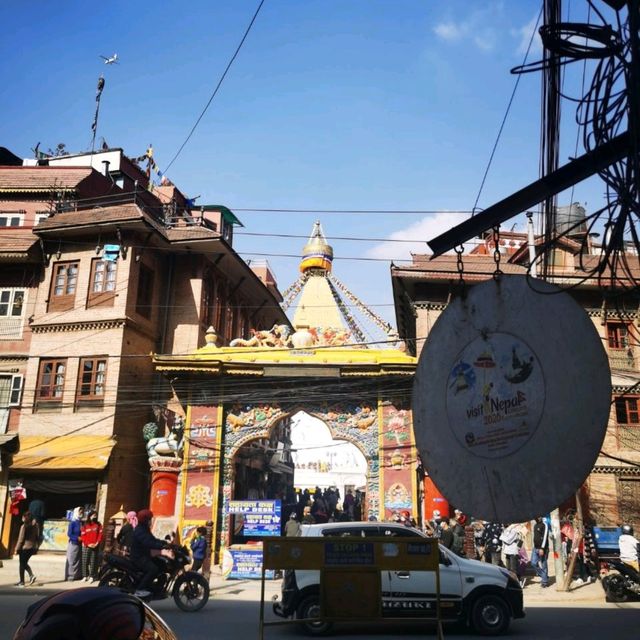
[627, 529]
[91, 614]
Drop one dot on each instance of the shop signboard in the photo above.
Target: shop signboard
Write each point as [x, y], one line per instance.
[260, 518]
[243, 562]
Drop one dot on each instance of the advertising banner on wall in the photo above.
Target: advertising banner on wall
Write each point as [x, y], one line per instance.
[243, 562]
[200, 471]
[259, 517]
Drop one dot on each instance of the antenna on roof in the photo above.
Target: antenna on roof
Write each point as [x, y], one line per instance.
[94, 126]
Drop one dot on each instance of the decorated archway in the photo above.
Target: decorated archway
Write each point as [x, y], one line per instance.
[362, 396]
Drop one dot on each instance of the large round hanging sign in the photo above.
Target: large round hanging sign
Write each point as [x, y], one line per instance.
[511, 399]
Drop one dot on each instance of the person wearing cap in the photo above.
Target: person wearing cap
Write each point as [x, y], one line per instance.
[292, 528]
[143, 542]
[435, 522]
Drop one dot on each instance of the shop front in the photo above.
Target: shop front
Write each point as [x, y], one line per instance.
[50, 476]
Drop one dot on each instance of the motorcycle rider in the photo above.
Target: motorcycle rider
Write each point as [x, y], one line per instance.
[143, 542]
[628, 544]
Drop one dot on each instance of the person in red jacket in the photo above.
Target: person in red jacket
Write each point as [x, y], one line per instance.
[91, 536]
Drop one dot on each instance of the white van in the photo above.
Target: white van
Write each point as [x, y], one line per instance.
[482, 595]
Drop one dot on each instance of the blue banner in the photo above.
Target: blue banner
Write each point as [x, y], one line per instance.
[260, 518]
[243, 564]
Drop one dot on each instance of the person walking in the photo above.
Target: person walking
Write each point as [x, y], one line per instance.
[91, 537]
[348, 504]
[199, 548]
[512, 540]
[73, 566]
[458, 537]
[540, 551]
[491, 543]
[628, 544]
[27, 546]
[125, 535]
[37, 510]
[292, 528]
[446, 535]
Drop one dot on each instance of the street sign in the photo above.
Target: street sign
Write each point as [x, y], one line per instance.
[511, 399]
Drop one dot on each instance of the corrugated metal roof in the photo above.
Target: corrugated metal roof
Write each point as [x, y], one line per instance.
[29, 179]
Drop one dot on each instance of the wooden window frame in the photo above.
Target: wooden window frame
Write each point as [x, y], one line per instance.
[63, 301]
[15, 389]
[622, 405]
[50, 398]
[615, 340]
[95, 373]
[11, 301]
[144, 298]
[104, 297]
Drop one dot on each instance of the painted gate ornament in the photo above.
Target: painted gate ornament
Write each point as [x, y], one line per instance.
[511, 399]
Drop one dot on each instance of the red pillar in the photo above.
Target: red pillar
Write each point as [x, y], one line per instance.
[164, 485]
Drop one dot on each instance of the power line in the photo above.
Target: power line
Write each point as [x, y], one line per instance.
[506, 115]
[352, 211]
[215, 91]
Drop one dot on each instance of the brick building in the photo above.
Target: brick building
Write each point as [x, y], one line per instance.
[97, 273]
[611, 493]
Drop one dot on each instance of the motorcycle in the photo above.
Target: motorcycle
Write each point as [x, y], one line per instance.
[623, 585]
[190, 590]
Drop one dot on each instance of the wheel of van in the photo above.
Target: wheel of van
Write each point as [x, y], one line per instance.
[615, 589]
[310, 608]
[490, 615]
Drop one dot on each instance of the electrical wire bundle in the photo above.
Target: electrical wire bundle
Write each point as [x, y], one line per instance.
[608, 108]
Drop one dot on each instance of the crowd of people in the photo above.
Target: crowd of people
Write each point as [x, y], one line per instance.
[504, 545]
[324, 505]
[84, 541]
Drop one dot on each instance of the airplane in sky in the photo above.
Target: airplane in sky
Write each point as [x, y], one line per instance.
[110, 60]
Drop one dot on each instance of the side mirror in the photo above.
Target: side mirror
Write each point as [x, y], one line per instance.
[444, 559]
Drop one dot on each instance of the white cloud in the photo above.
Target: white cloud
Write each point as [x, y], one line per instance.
[485, 41]
[449, 31]
[419, 232]
[524, 36]
[477, 27]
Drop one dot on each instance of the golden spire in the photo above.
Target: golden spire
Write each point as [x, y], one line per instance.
[317, 254]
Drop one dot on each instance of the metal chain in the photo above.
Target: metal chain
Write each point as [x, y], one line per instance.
[460, 265]
[496, 252]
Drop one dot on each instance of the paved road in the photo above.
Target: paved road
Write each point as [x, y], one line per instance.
[233, 614]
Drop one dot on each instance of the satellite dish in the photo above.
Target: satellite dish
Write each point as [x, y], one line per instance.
[511, 399]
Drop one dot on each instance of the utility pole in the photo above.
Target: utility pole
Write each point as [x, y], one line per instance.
[558, 563]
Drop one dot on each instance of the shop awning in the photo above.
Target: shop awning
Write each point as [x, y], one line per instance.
[63, 452]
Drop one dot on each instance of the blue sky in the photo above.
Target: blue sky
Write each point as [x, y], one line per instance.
[333, 104]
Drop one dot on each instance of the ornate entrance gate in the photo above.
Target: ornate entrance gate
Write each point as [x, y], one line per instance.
[362, 396]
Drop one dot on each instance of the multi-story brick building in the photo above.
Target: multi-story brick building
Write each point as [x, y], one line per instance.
[98, 273]
[611, 493]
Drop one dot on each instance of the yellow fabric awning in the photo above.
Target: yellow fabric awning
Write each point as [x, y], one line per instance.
[63, 452]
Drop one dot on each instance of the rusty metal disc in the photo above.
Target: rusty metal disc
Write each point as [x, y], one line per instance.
[511, 399]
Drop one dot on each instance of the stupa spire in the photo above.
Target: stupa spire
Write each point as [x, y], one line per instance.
[317, 254]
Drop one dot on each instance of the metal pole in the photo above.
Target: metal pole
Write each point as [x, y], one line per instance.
[261, 622]
[557, 549]
[577, 539]
[440, 635]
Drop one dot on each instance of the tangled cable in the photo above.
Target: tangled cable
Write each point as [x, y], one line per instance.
[607, 110]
